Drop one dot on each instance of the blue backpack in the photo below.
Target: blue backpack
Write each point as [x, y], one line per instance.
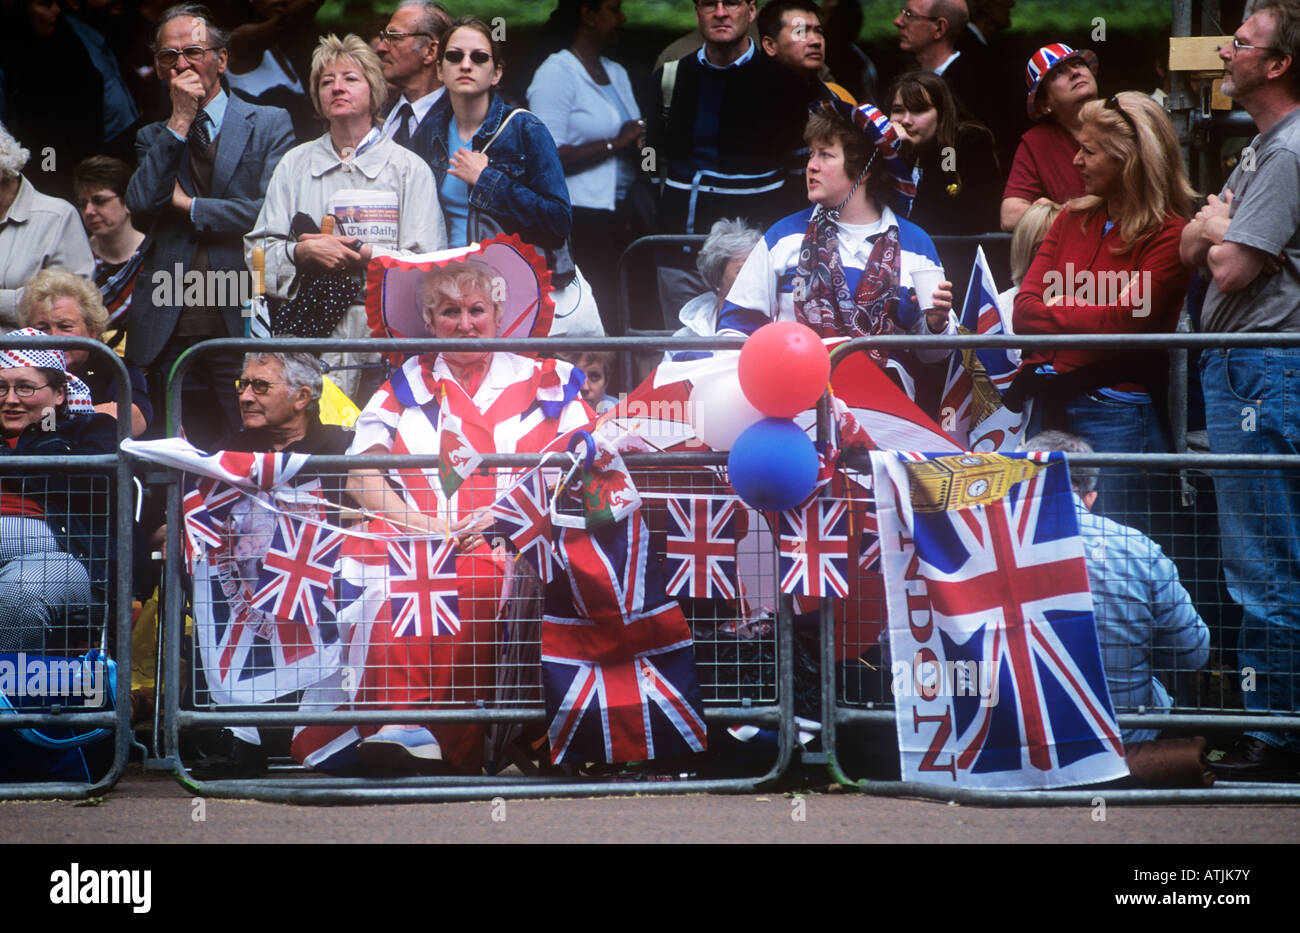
[55, 753]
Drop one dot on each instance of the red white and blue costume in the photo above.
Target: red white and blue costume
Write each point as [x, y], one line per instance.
[521, 405]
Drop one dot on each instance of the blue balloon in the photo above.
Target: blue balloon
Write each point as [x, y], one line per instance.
[773, 465]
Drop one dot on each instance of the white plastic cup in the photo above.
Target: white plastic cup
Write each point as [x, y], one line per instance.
[925, 281]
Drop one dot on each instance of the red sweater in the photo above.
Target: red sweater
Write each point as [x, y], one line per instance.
[1073, 262]
[1044, 166]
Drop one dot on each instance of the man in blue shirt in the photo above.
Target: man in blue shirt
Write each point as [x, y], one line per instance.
[1146, 622]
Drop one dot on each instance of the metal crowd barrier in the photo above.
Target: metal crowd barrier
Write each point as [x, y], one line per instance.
[107, 497]
[761, 689]
[856, 689]
[744, 678]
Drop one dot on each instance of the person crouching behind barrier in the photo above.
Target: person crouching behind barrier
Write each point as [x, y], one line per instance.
[54, 540]
[505, 403]
[279, 405]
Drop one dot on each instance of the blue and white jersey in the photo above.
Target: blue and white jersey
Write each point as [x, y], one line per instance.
[764, 289]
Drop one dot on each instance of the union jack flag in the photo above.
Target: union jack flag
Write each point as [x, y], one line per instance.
[998, 584]
[523, 516]
[206, 505]
[618, 663]
[297, 580]
[815, 549]
[701, 551]
[972, 395]
[422, 586]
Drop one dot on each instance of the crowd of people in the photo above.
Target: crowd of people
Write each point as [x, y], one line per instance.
[252, 138]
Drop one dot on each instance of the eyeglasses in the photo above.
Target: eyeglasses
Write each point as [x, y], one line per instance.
[1113, 104]
[908, 15]
[260, 386]
[392, 37]
[99, 200]
[713, 4]
[478, 56]
[166, 58]
[1239, 46]
[21, 390]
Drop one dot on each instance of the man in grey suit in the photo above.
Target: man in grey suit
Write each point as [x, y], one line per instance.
[200, 183]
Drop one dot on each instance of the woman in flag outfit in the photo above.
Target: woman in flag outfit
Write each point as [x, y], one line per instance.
[846, 265]
[459, 405]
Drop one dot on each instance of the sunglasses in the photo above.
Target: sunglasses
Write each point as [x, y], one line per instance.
[478, 56]
[99, 200]
[1113, 104]
[260, 386]
[391, 36]
[194, 54]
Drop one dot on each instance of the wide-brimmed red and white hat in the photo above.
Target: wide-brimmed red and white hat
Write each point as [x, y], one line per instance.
[393, 305]
[1046, 60]
[20, 357]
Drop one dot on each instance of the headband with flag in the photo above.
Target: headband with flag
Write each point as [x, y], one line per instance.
[881, 134]
[1043, 62]
[19, 357]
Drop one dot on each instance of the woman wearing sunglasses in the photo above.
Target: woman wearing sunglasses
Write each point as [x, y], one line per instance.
[1110, 265]
[496, 166]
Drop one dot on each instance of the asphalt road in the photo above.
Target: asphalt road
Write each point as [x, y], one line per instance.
[151, 808]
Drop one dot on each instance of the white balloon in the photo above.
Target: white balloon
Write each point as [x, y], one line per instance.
[719, 411]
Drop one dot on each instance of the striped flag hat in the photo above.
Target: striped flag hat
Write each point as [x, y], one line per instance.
[18, 357]
[1041, 65]
[882, 135]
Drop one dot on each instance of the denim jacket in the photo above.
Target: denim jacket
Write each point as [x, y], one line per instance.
[523, 187]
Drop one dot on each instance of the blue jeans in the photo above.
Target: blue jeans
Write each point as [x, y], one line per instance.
[1138, 499]
[1252, 406]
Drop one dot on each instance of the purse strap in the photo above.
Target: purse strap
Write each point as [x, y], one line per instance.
[509, 116]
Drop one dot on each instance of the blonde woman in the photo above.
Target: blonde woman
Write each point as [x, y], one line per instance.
[1110, 265]
[62, 304]
[381, 196]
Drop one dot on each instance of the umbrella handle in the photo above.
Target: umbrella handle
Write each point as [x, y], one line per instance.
[581, 436]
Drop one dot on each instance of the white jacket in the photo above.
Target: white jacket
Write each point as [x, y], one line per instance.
[576, 111]
[309, 176]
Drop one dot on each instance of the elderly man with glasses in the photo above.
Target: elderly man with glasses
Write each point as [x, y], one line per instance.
[408, 49]
[279, 402]
[201, 179]
[1249, 239]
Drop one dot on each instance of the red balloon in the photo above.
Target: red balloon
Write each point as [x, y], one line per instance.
[784, 368]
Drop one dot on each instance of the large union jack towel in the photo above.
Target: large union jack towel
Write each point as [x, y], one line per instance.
[618, 663]
[262, 556]
[997, 675]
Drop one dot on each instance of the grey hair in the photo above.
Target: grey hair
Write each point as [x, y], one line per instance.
[1082, 478]
[218, 38]
[727, 239]
[434, 19]
[12, 154]
[299, 369]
